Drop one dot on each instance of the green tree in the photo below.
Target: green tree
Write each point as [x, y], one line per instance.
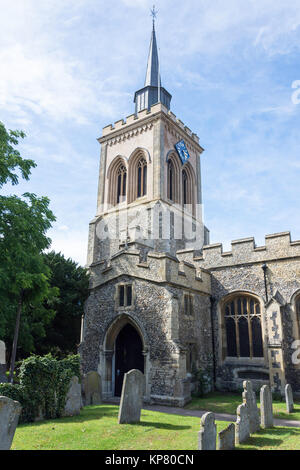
[10, 158]
[63, 333]
[23, 226]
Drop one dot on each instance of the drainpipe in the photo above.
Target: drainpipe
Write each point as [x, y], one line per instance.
[264, 268]
[212, 300]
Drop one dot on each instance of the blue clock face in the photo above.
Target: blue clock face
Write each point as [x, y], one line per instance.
[182, 151]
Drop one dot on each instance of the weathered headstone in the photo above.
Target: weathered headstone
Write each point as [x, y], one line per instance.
[242, 425]
[226, 438]
[250, 399]
[208, 432]
[289, 398]
[3, 377]
[73, 401]
[92, 388]
[266, 408]
[10, 411]
[132, 397]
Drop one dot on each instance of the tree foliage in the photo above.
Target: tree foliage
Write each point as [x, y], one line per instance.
[10, 158]
[63, 334]
[24, 221]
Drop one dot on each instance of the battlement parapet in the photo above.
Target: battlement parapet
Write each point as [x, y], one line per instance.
[244, 251]
[156, 267]
[134, 118]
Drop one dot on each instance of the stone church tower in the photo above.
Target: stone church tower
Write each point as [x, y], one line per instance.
[164, 301]
[148, 310]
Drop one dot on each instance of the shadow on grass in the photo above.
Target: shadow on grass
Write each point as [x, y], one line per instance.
[271, 437]
[172, 427]
[88, 413]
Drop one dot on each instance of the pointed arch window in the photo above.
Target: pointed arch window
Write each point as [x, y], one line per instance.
[171, 182]
[117, 182]
[173, 178]
[188, 188]
[185, 188]
[142, 178]
[243, 331]
[121, 184]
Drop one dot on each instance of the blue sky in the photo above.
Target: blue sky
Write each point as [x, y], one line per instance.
[68, 68]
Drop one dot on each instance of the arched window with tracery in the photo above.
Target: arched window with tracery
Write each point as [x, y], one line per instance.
[243, 327]
[188, 188]
[142, 178]
[173, 175]
[121, 186]
[137, 175]
[117, 176]
[171, 182]
[185, 188]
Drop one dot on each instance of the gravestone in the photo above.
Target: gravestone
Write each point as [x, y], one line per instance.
[10, 411]
[92, 388]
[132, 397]
[208, 432]
[73, 400]
[226, 438]
[3, 377]
[289, 398]
[250, 399]
[242, 425]
[266, 408]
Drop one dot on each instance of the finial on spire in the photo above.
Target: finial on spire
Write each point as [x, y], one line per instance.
[154, 14]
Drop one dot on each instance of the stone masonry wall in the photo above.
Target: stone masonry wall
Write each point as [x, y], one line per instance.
[241, 271]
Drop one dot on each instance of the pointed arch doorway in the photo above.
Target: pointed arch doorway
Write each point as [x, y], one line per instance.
[128, 355]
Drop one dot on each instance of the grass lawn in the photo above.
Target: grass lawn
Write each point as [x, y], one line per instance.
[221, 402]
[97, 428]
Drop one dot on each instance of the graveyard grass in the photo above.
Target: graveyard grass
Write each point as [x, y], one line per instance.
[97, 428]
[220, 402]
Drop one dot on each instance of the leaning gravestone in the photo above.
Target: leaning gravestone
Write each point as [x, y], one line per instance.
[132, 397]
[92, 389]
[250, 399]
[73, 401]
[242, 425]
[10, 411]
[266, 408]
[289, 398]
[208, 432]
[3, 377]
[226, 438]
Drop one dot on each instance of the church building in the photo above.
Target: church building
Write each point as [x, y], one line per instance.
[162, 299]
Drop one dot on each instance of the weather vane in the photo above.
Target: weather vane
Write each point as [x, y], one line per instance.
[154, 14]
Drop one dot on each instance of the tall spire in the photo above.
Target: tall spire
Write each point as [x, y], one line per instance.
[152, 92]
[152, 72]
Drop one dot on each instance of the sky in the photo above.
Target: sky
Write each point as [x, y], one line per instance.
[68, 68]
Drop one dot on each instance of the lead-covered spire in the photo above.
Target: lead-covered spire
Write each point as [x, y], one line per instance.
[152, 73]
[152, 92]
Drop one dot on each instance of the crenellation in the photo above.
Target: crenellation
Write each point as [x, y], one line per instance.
[188, 131]
[130, 119]
[133, 118]
[161, 267]
[278, 246]
[180, 123]
[119, 124]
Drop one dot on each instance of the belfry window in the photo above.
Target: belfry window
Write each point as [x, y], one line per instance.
[121, 184]
[185, 187]
[171, 180]
[142, 178]
[242, 318]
